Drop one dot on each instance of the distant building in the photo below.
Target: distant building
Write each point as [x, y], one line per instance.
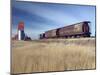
[20, 33]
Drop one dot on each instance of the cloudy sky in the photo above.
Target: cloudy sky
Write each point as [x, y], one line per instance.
[40, 17]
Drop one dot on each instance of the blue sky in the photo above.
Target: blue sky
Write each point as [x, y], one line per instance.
[40, 17]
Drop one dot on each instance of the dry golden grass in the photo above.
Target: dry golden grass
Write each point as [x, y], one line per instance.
[53, 55]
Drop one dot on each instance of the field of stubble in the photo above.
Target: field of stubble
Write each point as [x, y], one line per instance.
[53, 55]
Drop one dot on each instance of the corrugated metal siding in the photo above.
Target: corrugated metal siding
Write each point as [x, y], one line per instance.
[71, 30]
[51, 33]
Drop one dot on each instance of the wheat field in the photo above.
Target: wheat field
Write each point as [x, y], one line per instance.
[53, 55]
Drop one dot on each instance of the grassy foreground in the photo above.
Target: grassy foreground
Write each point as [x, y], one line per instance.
[53, 55]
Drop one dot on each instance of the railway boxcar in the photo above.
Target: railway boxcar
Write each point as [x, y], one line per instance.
[51, 33]
[79, 29]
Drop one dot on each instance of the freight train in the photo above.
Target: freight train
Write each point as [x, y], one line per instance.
[81, 29]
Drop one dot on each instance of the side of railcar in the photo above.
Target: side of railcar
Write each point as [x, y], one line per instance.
[51, 34]
[76, 30]
[66, 31]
